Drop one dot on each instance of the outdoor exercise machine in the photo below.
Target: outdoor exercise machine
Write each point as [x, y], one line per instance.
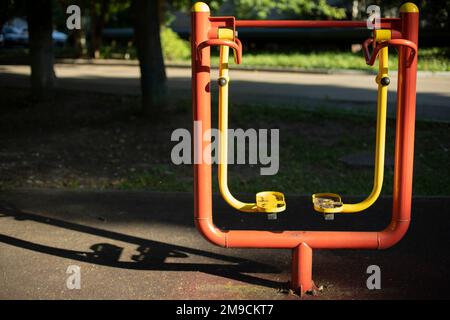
[401, 33]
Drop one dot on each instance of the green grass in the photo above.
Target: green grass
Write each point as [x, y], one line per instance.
[313, 143]
[430, 59]
[100, 141]
[311, 147]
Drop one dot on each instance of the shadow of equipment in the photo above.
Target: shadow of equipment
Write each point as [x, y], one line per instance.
[152, 255]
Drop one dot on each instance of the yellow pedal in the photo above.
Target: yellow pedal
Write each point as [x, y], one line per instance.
[327, 202]
[270, 201]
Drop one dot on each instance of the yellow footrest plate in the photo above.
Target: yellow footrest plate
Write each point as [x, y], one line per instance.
[327, 202]
[270, 201]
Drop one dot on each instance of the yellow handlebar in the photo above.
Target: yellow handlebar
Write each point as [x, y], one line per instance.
[268, 201]
[329, 203]
[223, 136]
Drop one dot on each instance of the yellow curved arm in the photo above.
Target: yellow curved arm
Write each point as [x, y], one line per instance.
[331, 203]
[267, 201]
[380, 145]
[223, 137]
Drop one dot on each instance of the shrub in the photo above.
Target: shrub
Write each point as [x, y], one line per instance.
[174, 48]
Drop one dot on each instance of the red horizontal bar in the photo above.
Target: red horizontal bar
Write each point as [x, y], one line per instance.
[385, 24]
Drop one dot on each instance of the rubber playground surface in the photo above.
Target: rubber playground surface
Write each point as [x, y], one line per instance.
[143, 245]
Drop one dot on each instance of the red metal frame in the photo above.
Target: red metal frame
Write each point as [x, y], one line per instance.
[384, 24]
[236, 45]
[370, 58]
[204, 28]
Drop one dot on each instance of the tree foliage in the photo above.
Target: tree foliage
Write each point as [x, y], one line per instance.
[436, 14]
[294, 9]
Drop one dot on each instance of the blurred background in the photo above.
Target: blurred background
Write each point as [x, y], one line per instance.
[94, 108]
[107, 30]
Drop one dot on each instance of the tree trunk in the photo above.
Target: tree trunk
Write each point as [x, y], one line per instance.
[4, 6]
[149, 52]
[40, 28]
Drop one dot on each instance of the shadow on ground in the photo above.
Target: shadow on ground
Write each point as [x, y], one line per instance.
[415, 268]
[152, 254]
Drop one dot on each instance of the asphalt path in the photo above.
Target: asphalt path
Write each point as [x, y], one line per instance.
[346, 91]
[143, 245]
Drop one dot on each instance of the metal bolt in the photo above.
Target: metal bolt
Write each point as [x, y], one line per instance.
[222, 81]
[385, 81]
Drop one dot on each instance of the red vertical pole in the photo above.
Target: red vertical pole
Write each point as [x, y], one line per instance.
[201, 109]
[405, 122]
[301, 273]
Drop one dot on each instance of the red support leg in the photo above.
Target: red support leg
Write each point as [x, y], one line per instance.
[301, 281]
